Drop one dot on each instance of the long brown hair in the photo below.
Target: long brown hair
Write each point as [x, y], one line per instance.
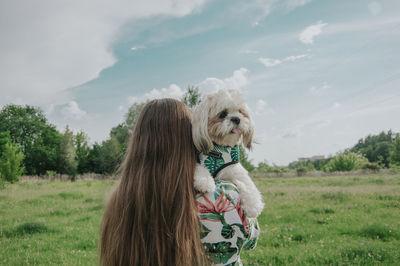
[151, 218]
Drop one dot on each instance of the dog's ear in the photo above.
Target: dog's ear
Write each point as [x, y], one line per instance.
[201, 139]
[248, 138]
[248, 135]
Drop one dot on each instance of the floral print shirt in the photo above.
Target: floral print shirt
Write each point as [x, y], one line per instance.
[225, 230]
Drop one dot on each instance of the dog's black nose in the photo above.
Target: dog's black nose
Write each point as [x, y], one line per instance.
[235, 120]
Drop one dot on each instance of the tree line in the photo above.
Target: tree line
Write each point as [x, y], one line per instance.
[373, 152]
[30, 145]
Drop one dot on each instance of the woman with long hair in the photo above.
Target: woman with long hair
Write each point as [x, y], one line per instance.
[152, 218]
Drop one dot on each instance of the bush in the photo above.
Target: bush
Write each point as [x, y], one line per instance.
[346, 161]
[51, 173]
[371, 166]
[301, 171]
[11, 167]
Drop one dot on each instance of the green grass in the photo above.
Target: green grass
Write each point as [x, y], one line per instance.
[51, 223]
[306, 221]
[329, 221]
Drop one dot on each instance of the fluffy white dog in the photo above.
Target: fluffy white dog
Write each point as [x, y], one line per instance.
[220, 123]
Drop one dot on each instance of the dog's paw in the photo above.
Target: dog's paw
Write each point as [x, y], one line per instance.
[253, 210]
[252, 203]
[203, 181]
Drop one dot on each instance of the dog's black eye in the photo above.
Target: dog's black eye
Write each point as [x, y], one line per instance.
[223, 114]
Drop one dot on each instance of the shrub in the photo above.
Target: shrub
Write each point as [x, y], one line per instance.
[301, 171]
[371, 166]
[346, 161]
[51, 173]
[11, 167]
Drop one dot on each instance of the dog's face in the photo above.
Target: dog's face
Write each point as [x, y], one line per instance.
[223, 118]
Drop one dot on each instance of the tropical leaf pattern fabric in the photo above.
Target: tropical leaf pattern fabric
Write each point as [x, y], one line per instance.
[225, 230]
[219, 156]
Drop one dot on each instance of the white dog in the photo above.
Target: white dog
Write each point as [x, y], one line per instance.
[220, 123]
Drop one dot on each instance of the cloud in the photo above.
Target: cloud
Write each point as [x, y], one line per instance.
[307, 36]
[237, 81]
[295, 57]
[319, 89]
[49, 46]
[380, 24]
[72, 111]
[375, 8]
[135, 48]
[248, 51]
[260, 107]
[269, 62]
[263, 108]
[264, 7]
[291, 4]
[290, 134]
[173, 91]
[336, 105]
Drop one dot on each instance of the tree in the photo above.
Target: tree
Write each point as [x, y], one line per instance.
[111, 155]
[377, 148]
[133, 114]
[263, 167]
[121, 134]
[122, 131]
[67, 153]
[192, 96]
[94, 159]
[37, 139]
[44, 155]
[244, 160]
[11, 163]
[82, 150]
[395, 154]
[4, 139]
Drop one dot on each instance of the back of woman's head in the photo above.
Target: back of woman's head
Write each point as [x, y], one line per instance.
[151, 218]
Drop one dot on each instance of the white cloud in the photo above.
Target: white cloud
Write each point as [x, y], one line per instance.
[319, 89]
[72, 111]
[135, 48]
[295, 57]
[237, 81]
[307, 36]
[382, 24]
[173, 91]
[249, 51]
[49, 110]
[48, 46]
[268, 5]
[265, 7]
[269, 62]
[336, 105]
[260, 107]
[291, 4]
[375, 8]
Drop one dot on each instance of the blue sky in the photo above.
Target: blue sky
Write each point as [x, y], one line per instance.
[317, 75]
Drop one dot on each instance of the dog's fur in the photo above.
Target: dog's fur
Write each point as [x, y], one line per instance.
[224, 118]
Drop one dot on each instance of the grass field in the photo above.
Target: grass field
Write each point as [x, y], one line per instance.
[327, 220]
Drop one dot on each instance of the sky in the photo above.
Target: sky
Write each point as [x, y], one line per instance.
[318, 75]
